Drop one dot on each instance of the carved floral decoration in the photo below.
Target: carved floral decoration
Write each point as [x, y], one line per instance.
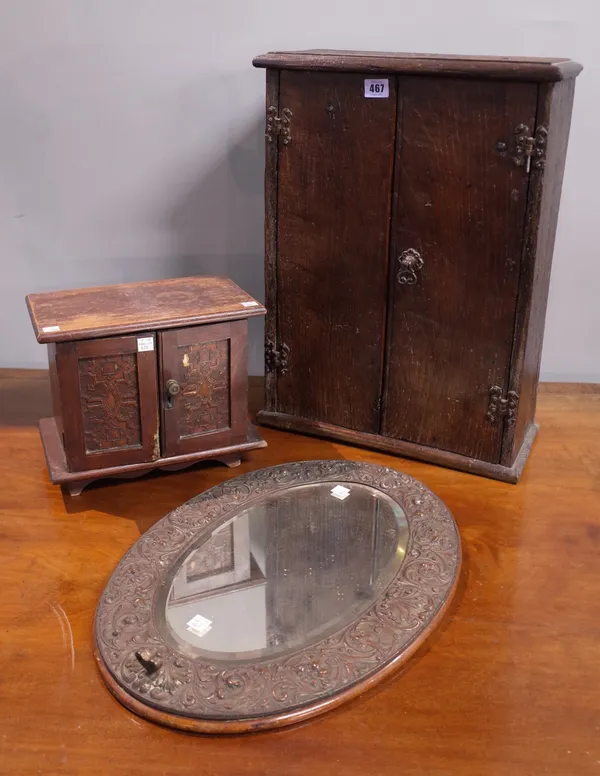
[126, 623]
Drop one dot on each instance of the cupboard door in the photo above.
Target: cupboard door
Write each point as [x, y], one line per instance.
[108, 391]
[204, 387]
[456, 241]
[333, 205]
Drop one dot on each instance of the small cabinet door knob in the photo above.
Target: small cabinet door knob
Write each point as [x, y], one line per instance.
[173, 387]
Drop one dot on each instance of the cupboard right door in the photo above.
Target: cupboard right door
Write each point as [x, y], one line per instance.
[458, 216]
[204, 376]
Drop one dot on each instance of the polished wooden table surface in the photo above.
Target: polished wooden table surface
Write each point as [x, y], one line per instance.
[509, 685]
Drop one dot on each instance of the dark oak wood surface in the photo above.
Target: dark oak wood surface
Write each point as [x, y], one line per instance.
[271, 185]
[157, 304]
[461, 204]
[509, 685]
[555, 103]
[440, 359]
[515, 68]
[334, 191]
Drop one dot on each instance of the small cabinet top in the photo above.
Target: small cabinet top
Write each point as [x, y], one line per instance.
[508, 68]
[59, 316]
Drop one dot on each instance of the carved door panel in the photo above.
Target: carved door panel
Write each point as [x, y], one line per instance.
[110, 408]
[204, 387]
[458, 218]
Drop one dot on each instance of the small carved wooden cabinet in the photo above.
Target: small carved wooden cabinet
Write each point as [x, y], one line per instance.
[144, 376]
[411, 207]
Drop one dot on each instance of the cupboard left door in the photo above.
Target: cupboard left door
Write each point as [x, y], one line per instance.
[109, 398]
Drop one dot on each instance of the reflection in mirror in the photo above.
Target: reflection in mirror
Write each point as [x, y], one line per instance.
[286, 572]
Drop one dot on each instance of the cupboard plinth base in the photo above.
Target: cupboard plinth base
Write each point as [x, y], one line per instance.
[75, 482]
[400, 447]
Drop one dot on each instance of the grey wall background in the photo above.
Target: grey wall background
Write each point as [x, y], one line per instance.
[131, 141]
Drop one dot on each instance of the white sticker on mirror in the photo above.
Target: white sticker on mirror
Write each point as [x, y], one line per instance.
[340, 492]
[199, 625]
[377, 87]
[145, 343]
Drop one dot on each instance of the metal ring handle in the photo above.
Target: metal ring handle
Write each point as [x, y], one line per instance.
[410, 262]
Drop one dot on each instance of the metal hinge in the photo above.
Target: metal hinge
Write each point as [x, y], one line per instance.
[530, 148]
[279, 125]
[276, 360]
[502, 406]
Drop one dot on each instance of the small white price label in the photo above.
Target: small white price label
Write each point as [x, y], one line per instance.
[50, 329]
[377, 87]
[145, 343]
[249, 304]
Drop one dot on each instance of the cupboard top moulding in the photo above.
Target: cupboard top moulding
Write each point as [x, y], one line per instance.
[161, 304]
[504, 68]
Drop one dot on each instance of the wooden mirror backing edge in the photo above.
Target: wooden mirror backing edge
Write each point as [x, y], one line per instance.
[284, 689]
[292, 717]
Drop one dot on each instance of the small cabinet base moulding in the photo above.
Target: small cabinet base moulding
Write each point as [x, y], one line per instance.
[411, 209]
[145, 376]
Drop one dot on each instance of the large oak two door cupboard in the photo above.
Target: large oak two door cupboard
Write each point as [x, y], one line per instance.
[411, 207]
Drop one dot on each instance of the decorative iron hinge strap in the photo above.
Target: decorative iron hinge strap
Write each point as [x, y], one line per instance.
[279, 125]
[276, 360]
[502, 406]
[530, 148]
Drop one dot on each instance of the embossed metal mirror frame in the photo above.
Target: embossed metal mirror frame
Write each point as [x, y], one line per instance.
[169, 687]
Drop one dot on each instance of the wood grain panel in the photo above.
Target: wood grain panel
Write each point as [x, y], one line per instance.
[555, 104]
[157, 304]
[55, 387]
[460, 203]
[271, 178]
[333, 210]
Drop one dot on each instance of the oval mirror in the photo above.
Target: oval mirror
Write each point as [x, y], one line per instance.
[276, 595]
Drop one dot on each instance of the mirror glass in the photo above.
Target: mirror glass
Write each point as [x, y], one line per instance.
[285, 572]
